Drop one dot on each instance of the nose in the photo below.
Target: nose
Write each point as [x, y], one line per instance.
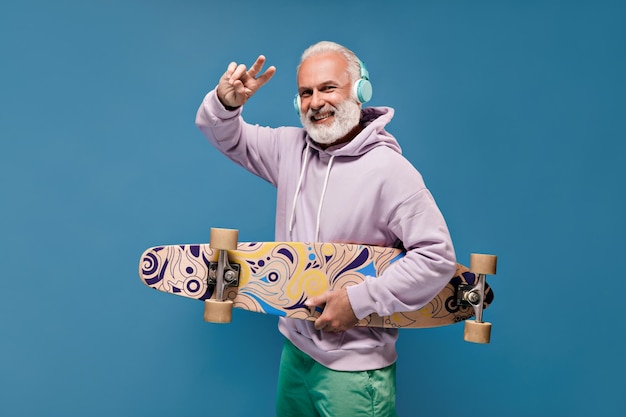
[317, 101]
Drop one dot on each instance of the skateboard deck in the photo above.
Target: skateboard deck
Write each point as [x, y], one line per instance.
[278, 277]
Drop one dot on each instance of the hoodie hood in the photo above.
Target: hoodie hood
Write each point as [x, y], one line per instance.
[374, 120]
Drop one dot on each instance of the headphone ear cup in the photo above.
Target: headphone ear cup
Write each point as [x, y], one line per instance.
[363, 90]
[296, 104]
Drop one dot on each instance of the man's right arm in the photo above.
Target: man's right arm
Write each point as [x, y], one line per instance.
[253, 147]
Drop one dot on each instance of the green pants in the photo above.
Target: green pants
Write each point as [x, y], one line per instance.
[308, 389]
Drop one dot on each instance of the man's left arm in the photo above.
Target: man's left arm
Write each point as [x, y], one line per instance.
[429, 263]
[408, 284]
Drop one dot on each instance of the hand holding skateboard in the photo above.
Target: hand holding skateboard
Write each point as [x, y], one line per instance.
[337, 314]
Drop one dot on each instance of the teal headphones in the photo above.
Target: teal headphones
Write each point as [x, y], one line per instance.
[362, 88]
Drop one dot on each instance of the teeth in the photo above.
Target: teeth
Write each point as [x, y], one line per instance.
[322, 116]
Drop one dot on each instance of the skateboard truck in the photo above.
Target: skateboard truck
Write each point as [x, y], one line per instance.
[229, 272]
[222, 275]
[477, 331]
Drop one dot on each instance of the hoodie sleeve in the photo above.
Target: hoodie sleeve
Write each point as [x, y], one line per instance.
[251, 146]
[417, 278]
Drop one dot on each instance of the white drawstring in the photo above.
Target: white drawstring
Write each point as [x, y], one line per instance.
[298, 189]
[319, 209]
[295, 197]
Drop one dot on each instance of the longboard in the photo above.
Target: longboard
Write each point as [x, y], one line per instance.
[278, 277]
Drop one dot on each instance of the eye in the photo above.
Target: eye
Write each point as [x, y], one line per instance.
[328, 89]
[305, 93]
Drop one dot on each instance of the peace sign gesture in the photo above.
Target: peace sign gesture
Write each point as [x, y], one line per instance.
[238, 84]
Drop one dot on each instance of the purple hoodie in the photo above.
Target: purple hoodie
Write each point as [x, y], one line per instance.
[363, 191]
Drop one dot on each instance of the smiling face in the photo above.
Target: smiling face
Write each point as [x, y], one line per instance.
[329, 112]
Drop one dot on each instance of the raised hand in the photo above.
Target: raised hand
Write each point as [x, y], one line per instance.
[238, 84]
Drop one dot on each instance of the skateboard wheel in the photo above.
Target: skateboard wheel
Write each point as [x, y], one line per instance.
[483, 264]
[218, 311]
[477, 332]
[224, 239]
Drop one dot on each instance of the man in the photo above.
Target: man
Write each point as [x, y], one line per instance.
[340, 179]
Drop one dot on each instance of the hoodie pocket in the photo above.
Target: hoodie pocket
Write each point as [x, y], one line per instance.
[330, 341]
[360, 338]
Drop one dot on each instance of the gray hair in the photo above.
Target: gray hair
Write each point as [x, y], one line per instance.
[354, 65]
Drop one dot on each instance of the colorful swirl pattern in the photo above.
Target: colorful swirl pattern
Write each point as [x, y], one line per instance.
[277, 278]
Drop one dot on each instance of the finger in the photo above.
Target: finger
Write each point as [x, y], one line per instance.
[321, 324]
[256, 69]
[265, 77]
[238, 73]
[316, 301]
[229, 72]
[231, 68]
[257, 66]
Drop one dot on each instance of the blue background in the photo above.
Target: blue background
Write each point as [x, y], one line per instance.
[512, 110]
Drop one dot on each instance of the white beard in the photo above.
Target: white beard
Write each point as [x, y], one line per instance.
[347, 116]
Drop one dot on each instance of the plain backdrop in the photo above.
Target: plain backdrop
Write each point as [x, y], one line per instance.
[513, 111]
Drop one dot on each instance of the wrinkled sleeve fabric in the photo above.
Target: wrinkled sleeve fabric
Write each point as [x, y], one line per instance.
[427, 267]
[253, 147]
